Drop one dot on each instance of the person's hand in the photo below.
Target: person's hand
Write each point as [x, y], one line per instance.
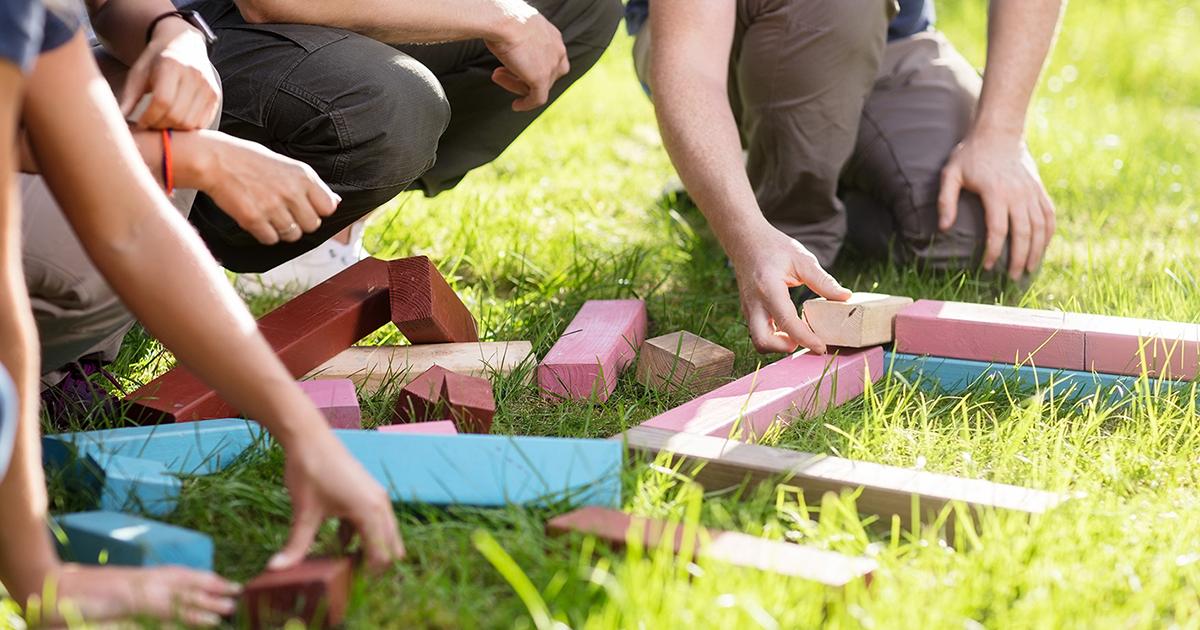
[174, 70]
[768, 265]
[533, 54]
[270, 196]
[1016, 206]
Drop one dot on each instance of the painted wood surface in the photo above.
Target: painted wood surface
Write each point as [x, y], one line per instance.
[618, 529]
[315, 591]
[797, 386]
[336, 400]
[110, 482]
[866, 319]
[421, 399]
[374, 367]
[424, 307]
[192, 448]
[489, 470]
[470, 402]
[599, 343]
[436, 427]
[113, 538]
[683, 359]
[1130, 346]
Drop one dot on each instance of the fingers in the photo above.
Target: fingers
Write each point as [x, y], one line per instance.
[822, 283]
[786, 319]
[262, 230]
[305, 524]
[323, 200]
[1037, 236]
[1020, 240]
[509, 81]
[997, 231]
[134, 90]
[948, 196]
[162, 98]
[201, 608]
[380, 535]
[762, 332]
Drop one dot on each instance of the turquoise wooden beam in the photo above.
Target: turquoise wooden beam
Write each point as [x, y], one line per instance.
[106, 537]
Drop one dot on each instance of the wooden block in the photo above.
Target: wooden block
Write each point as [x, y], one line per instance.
[979, 332]
[683, 360]
[596, 347]
[489, 470]
[421, 399]
[866, 319]
[424, 307]
[310, 329]
[111, 482]
[194, 448]
[886, 491]
[800, 385]
[373, 367]
[735, 548]
[1125, 345]
[112, 538]
[315, 591]
[469, 401]
[439, 427]
[336, 400]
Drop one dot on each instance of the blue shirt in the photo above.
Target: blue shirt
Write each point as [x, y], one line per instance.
[27, 29]
[915, 16]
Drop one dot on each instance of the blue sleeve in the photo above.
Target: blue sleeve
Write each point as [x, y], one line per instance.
[22, 23]
[59, 30]
[8, 418]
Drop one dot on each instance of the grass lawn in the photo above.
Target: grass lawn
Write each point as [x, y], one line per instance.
[575, 210]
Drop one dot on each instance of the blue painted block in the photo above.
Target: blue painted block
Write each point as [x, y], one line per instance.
[120, 539]
[490, 470]
[193, 448]
[132, 484]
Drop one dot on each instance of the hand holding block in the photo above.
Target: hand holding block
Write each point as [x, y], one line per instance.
[470, 401]
[616, 528]
[683, 359]
[421, 399]
[440, 427]
[597, 345]
[336, 400]
[120, 539]
[372, 367]
[866, 319]
[424, 307]
[315, 591]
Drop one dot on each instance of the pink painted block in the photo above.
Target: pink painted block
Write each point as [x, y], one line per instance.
[440, 427]
[800, 385]
[597, 346]
[1124, 345]
[996, 334]
[337, 401]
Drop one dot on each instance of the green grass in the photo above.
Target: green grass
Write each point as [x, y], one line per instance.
[576, 210]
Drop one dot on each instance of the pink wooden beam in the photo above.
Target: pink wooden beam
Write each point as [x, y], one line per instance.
[1124, 345]
[439, 427]
[337, 400]
[800, 385]
[596, 347]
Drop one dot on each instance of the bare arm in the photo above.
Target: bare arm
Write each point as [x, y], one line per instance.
[689, 68]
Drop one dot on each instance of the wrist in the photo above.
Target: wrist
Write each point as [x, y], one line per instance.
[506, 21]
[171, 27]
[195, 159]
[997, 131]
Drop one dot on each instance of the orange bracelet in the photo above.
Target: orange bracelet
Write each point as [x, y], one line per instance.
[168, 165]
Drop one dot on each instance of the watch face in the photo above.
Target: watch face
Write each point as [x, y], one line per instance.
[197, 21]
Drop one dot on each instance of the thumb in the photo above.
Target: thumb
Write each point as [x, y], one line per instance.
[948, 197]
[825, 285]
[305, 524]
[135, 88]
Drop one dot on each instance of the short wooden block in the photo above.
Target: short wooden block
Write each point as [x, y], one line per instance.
[310, 329]
[800, 385]
[866, 319]
[682, 359]
[111, 482]
[421, 399]
[315, 592]
[373, 367]
[336, 400]
[424, 307]
[193, 448]
[489, 470]
[112, 538]
[886, 491]
[439, 427]
[1124, 345]
[734, 548]
[979, 332]
[596, 347]
[469, 401]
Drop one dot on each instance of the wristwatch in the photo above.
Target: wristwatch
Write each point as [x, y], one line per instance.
[191, 17]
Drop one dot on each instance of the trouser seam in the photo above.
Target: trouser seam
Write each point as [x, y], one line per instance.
[345, 136]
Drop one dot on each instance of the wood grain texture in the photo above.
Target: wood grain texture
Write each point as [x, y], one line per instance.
[800, 385]
[618, 528]
[885, 491]
[682, 359]
[424, 307]
[118, 539]
[315, 591]
[313, 327]
[1130, 346]
[421, 399]
[599, 343]
[980, 332]
[374, 367]
[336, 400]
[437, 427]
[866, 319]
[470, 402]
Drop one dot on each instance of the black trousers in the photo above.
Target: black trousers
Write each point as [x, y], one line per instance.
[373, 120]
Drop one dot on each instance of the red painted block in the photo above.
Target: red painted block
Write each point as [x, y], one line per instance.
[314, 592]
[439, 427]
[305, 332]
[470, 401]
[596, 347]
[996, 334]
[424, 307]
[420, 400]
[336, 400]
[1124, 345]
[801, 385]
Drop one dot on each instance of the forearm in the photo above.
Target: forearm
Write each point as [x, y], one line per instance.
[1020, 35]
[121, 24]
[398, 21]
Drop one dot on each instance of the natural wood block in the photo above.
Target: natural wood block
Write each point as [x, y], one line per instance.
[315, 591]
[438, 427]
[336, 400]
[599, 343]
[421, 399]
[470, 402]
[617, 528]
[979, 332]
[119, 539]
[1125, 345]
[866, 319]
[801, 385]
[424, 307]
[682, 359]
[373, 367]
[313, 327]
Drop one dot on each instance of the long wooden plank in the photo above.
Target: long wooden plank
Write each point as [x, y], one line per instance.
[113, 538]
[1126, 345]
[800, 385]
[599, 343]
[886, 491]
[193, 448]
[735, 548]
[373, 367]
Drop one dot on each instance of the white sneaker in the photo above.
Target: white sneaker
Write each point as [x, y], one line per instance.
[309, 269]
